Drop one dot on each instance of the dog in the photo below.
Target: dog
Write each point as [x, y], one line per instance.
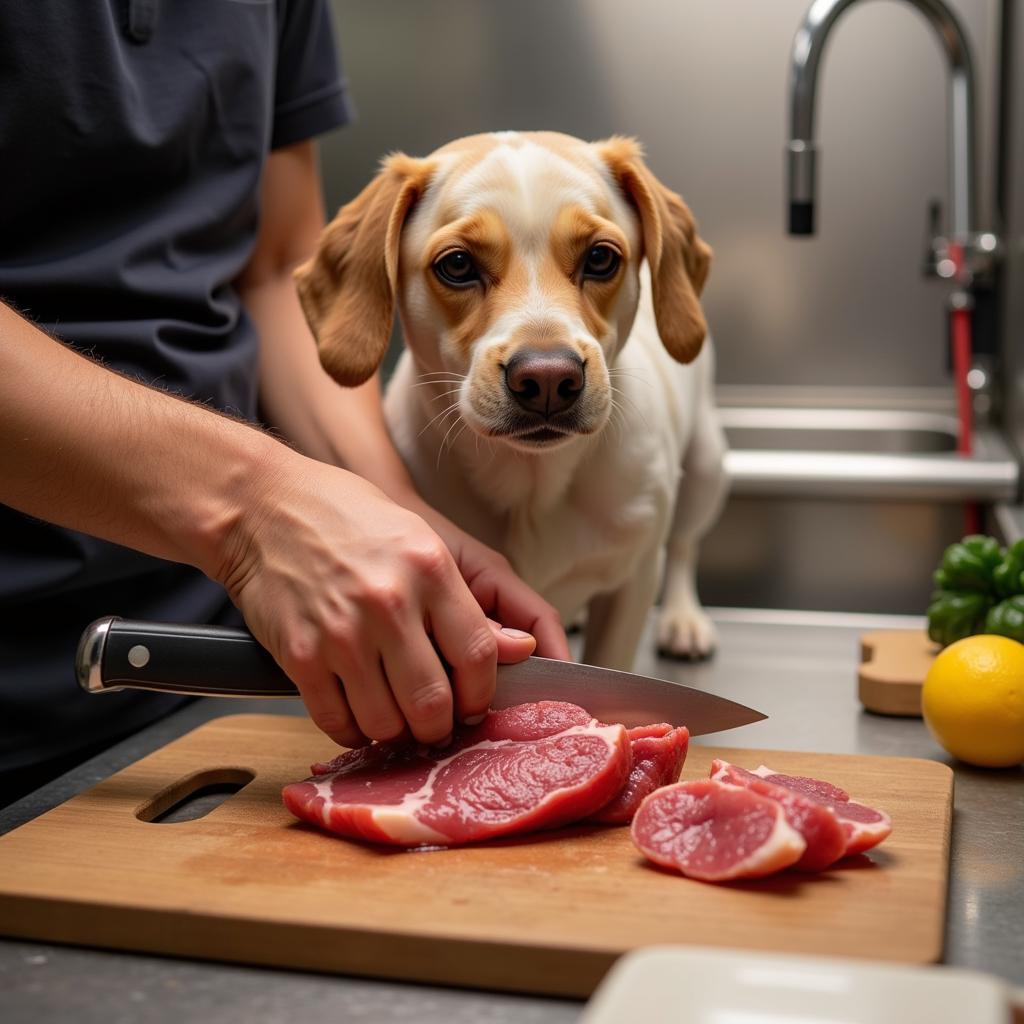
[555, 396]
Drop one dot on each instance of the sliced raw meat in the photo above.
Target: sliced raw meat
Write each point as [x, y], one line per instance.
[864, 826]
[821, 829]
[523, 768]
[658, 755]
[715, 832]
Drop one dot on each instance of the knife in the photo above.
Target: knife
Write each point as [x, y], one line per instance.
[212, 661]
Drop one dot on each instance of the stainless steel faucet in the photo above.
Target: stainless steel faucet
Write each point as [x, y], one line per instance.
[964, 253]
[805, 61]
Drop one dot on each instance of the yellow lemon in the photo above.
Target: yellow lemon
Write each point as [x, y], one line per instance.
[973, 700]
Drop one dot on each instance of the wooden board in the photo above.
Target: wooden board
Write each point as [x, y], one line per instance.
[893, 665]
[546, 914]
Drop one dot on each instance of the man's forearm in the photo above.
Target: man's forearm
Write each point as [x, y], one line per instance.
[89, 449]
[341, 426]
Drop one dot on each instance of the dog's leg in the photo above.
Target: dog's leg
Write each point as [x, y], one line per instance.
[615, 621]
[684, 629]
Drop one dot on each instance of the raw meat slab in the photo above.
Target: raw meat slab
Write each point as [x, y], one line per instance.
[523, 769]
[547, 913]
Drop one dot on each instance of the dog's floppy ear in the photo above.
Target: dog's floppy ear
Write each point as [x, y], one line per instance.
[348, 288]
[678, 258]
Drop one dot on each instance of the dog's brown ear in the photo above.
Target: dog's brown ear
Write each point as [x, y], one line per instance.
[348, 288]
[679, 259]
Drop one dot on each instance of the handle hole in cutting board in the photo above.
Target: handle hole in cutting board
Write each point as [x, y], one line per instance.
[194, 796]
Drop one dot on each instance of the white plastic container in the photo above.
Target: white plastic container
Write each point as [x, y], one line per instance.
[687, 985]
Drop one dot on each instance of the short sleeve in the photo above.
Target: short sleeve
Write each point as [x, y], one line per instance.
[310, 91]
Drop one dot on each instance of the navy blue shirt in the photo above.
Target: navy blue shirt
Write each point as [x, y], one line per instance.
[133, 134]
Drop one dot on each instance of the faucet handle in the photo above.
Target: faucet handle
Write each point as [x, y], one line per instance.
[937, 262]
[978, 254]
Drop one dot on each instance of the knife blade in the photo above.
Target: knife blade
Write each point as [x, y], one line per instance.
[213, 661]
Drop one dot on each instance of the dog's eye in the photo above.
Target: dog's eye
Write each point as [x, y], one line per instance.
[601, 263]
[456, 268]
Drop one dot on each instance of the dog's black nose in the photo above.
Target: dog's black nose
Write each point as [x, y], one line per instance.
[545, 382]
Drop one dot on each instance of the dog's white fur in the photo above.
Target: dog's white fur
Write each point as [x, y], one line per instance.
[595, 520]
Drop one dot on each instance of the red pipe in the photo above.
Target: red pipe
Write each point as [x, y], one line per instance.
[961, 328]
[960, 332]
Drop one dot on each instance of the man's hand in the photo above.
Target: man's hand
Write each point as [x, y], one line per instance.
[359, 601]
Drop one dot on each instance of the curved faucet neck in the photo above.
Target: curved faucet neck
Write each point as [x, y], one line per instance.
[805, 60]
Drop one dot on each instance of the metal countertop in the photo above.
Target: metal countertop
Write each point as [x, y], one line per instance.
[800, 668]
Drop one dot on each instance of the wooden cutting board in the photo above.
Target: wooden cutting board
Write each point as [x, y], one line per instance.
[547, 914]
[893, 664]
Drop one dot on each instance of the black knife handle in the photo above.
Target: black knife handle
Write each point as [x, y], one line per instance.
[213, 661]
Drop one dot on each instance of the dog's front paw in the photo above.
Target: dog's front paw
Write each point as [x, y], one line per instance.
[686, 632]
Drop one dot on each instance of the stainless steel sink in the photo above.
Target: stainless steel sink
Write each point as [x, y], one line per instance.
[880, 454]
[846, 507]
[875, 431]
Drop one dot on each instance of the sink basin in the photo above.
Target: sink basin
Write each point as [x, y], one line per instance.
[878, 454]
[845, 507]
[839, 430]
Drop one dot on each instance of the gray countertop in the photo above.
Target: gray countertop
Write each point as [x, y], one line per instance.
[799, 668]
